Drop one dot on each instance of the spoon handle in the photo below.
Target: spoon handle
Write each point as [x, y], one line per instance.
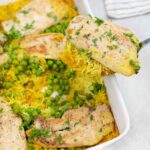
[145, 42]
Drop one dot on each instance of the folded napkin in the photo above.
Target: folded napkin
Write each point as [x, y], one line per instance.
[126, 8]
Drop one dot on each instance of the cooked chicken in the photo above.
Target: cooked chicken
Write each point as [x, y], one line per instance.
[111, 45]
[47, 45]
[38, 15]
[32, 18]
[77, 127]
[11, 137]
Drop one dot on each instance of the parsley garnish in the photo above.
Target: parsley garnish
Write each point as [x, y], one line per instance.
[98, 21]
[1, 110]
[59, 139]
[111, 47]
[95, 41]
[49, 14]
[25, 12]
[13, 34]
[91, 117]
[36, 133]
[29, 26]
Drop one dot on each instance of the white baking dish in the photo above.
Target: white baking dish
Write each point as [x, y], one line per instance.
[115, 98]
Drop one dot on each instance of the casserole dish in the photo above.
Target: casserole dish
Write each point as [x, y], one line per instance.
[114, 95]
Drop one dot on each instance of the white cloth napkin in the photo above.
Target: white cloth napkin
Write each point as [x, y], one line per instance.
[126, 8]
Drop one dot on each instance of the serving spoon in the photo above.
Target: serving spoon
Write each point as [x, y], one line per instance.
[145, 42]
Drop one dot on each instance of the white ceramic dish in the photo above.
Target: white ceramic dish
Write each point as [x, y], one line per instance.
[115, 98]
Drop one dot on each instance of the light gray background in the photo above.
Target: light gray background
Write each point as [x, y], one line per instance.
[135, 89]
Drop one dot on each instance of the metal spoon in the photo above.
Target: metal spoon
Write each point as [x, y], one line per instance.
[145, 42]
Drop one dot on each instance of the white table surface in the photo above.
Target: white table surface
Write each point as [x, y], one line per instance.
[135, 89]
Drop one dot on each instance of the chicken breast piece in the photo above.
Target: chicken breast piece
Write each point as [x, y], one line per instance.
[11, 137]
[77, 127]
[47, 45]
[32, 18]
[111, 45]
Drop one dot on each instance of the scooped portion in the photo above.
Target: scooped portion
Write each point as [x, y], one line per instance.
[46, 45]
[113, 46]
[77, 127]
[11, 136]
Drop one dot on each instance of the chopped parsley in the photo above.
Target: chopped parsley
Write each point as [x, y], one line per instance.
[98, 21]
[134, 40]
[91, 117]
[36, 133]
[86, 35]
[96, 87]
[59, 139]
[65, 16]
[135, 65]
[89, 54]
[13, 34]
[95, 41]
[112, 47]
[109, 35]
[27, 114]
[1, 110]
[49, 14]
[104, 54]
[29, 25]
[25, 12]
[15, 19]
[78, 31]
[55, 18]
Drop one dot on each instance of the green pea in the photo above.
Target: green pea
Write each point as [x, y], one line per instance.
[62, 66]
[58, 62]
[66, 82]
[17, 71]
[19, 68]
[50, 81]
[50, 63]
[51, 76]
[67, 87]
[9, 61]
[6, 66]
[50, 87]
[55, 67]
[38, 72]
[61, 82]
[60, 91]
[15, 62]
[55, 80]
[1, 83]
[13, 56]
[57, 114]
[7, 85]
[28, 72]
[55, 73]
[33, 66]
[24, 63]
[26, 57]
[57, 87]
[1, 78]
[48, 92]
[62, 87]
